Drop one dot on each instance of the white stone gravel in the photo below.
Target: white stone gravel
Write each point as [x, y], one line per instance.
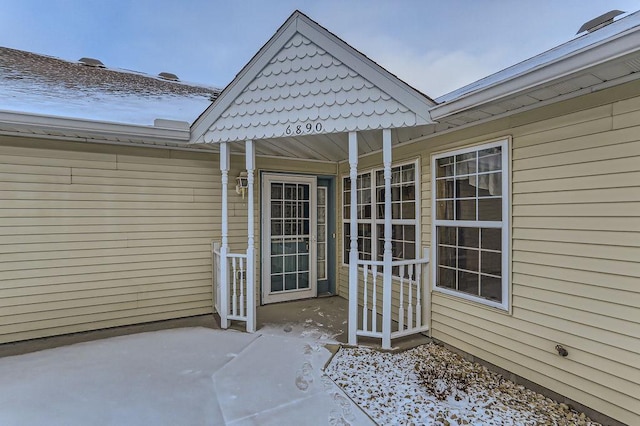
[432, 385]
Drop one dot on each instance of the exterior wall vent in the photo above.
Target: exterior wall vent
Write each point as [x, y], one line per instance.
[599, 22]
[168, 76]
[90, 62]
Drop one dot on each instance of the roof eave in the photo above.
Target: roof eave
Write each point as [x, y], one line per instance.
[607, 50]
[71, 127]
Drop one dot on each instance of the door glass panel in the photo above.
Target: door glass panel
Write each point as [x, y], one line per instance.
[290, 236]
[322, 233]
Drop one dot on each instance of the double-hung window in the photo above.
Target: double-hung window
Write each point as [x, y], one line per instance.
[471, 223]
[370, 198]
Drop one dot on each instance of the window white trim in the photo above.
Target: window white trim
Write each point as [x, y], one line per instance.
[504, 225]
[375, 221]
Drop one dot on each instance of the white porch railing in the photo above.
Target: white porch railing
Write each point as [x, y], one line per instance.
[407, 287]
[230, 300]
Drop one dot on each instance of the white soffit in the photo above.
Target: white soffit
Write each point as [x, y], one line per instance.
[306, 81]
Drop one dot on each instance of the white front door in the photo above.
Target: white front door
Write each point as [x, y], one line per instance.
[288, 237]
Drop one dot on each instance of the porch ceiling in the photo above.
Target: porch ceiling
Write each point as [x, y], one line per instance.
[331, 147]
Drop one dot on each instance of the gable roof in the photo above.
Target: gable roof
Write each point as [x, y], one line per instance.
[305, 75]
[44, 85]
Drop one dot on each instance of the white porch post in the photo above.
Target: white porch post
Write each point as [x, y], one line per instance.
[353, 252]
[250, 159]
[387, 258]
[223, 305]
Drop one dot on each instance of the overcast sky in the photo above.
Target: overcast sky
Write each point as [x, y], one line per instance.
[435, 45]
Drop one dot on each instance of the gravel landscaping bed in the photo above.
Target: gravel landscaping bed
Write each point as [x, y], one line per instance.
[432, 385]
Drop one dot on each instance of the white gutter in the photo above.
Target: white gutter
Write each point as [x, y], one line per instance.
[75, 128]
[616, 46]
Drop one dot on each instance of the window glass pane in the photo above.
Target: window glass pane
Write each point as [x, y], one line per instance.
[408, 192]
[446, 235]
[447, 256]
[396, 211]
[303, 262]
[444, 210]
[290, 281]
[276, 247]
[276, 227]
[290, 263]
[303, 280]
[489, 184]
[290, 191]
[490, 209]
[276, 283]
[465, 187]
[276, 209]
[380, 178]
[491, 263]
[409, 232]
[466, 210]
[408, 210]
[395, 193]
[466, 167]
[490, 159]
[444, 167]
[468, 259]
[492, 238]
[468, 282]
[446, 278]
[276, 265]
[408, 173]
[469, 237]
[444, 188]
[409, 250]
[491, 288]
[276, 191]
[290, 247]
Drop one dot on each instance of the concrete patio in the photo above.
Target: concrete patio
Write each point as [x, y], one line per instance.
[187, 376]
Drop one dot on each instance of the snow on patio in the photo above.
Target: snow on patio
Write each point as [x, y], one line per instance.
[189, 376]
[430, 385]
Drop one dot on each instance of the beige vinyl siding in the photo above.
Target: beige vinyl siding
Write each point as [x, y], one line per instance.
[95, 236]
[575, 253]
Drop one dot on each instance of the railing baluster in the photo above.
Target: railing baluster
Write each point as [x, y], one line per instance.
[374, 302]
[365, 309]
[401, 308]
[242, 284]
[234, 297]
[410, 308]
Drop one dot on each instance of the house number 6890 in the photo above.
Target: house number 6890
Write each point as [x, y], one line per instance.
[303, 129]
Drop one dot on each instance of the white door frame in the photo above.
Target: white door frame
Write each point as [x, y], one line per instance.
[267, 295]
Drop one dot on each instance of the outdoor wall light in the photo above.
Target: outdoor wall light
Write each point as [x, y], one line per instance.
[242, 184]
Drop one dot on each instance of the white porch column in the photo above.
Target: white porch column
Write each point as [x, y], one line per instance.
[353, 252]
[223, 304]
[387, 258]
[250, 159]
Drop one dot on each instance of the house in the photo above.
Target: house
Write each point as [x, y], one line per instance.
[503, 218]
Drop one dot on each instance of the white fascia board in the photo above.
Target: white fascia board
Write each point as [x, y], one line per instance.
[73, 127]
[242, 80]
[590, 56]
[377, 75]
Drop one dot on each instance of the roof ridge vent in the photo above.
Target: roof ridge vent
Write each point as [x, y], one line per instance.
[599, 22]
[91, 62]
[168, 76]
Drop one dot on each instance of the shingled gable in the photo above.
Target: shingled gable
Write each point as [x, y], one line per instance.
[307, 79]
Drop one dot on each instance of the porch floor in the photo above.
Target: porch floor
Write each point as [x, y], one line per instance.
[322, 318]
